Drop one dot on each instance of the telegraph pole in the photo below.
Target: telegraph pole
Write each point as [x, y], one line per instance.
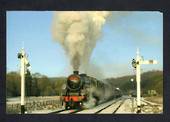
[137, 65]
[23, 68]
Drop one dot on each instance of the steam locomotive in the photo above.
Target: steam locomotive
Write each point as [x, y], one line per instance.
[81, 89]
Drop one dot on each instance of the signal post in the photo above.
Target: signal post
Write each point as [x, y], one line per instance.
[136, 63]
[23, 69]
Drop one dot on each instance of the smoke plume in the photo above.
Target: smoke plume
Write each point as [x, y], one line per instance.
[78, 32]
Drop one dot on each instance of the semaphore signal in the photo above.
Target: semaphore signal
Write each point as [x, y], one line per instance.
[23, 70]
[136, 63]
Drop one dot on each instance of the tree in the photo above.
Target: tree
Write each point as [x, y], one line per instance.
[35, 90]
[43, 83]
[48, 91]
[28, 83]
[13, 84]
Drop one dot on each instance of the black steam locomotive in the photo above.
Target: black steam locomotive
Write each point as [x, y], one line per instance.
[81, 89]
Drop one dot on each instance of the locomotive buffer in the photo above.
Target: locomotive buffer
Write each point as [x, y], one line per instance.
[136, 63]
[23, 68]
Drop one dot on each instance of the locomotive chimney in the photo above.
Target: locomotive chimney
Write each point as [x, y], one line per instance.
[76, 72]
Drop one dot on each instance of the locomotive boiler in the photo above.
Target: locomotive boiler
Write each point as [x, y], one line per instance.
[80, 89]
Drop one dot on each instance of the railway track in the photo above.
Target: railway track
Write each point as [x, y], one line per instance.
[118, 107]
[121, 105]
[103, 108]
[147, 103]
[106, 108]
[63, 111]
[150, 107]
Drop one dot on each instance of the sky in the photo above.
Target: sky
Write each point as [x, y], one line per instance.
[122, 34]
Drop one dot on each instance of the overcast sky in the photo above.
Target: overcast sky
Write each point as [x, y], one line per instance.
[122, 33]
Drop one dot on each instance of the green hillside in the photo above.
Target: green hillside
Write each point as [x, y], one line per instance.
[41, 85]
[152, 80]
[35, 85]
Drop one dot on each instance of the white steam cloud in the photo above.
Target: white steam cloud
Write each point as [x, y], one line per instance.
[78, 33]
